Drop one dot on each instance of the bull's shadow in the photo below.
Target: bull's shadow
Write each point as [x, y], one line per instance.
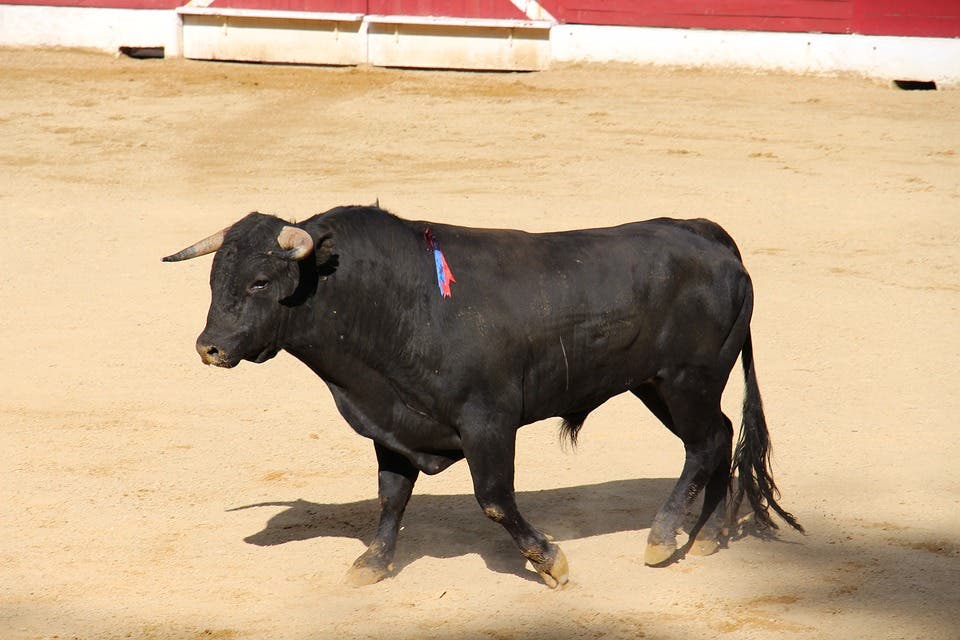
[446, 526]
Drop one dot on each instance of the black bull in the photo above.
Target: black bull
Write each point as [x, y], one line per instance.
[438, 342]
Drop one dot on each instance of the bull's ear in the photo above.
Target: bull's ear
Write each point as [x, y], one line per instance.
[324, 263]
[325, 249]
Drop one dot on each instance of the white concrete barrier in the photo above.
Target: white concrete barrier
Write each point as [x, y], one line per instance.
[884, 57]
[458, 43]
[273, 36]
[87, 28]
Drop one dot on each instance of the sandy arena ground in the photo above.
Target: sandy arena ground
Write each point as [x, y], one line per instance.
[146, 496]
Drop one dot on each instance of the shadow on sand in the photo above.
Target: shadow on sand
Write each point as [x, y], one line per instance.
[446, 526]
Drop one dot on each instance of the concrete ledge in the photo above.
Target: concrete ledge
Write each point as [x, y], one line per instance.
[443, 21]
[444, 43]
[211, 33]
[273, 36]
[883, 57]
[229, 12]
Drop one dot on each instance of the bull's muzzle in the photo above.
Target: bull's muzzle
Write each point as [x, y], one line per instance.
[211, 354]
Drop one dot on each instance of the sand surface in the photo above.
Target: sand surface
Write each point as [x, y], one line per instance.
[144, 495]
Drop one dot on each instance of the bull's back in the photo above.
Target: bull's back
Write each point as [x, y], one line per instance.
[549, 280]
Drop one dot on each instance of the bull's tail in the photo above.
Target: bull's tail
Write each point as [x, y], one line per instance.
[751, 457]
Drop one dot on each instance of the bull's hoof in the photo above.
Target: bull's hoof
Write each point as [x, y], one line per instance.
[658, 555]
[365, 572]
[555, 574]
[704, 546]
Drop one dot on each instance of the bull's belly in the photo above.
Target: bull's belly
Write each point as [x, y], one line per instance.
[561, 388]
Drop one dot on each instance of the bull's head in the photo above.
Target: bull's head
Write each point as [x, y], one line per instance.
[259, 271]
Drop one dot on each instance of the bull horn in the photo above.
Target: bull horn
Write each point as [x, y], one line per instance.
[296, 242]
[205, 246]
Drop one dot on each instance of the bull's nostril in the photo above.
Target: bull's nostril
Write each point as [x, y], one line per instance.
[209, 353]
[213, 354]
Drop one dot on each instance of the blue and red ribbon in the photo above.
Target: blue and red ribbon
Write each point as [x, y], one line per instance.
[444, 275]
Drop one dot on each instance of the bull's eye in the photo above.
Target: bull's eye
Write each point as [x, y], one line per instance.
[259, 284]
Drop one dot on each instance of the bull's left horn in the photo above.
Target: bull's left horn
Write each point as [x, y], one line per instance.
[205, 246]
[296, 242]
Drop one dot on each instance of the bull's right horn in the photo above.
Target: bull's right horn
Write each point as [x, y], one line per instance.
[205, 246]
[296, 243]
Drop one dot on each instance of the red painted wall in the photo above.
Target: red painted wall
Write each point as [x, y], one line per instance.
[932, 18]
[101, 4]
[826, 16]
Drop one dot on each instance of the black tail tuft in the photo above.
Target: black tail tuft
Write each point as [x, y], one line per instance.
[570, 427]
[751, 457]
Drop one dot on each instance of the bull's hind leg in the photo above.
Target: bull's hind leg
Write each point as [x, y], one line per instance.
[695, 418]
[710, 528]
[396, 478]
[490, 454]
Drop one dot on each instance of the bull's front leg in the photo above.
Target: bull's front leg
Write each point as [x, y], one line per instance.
[490, 453]
[396, 478]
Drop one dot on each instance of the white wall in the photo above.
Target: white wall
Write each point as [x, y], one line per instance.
[104, 29]
[885, 57]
